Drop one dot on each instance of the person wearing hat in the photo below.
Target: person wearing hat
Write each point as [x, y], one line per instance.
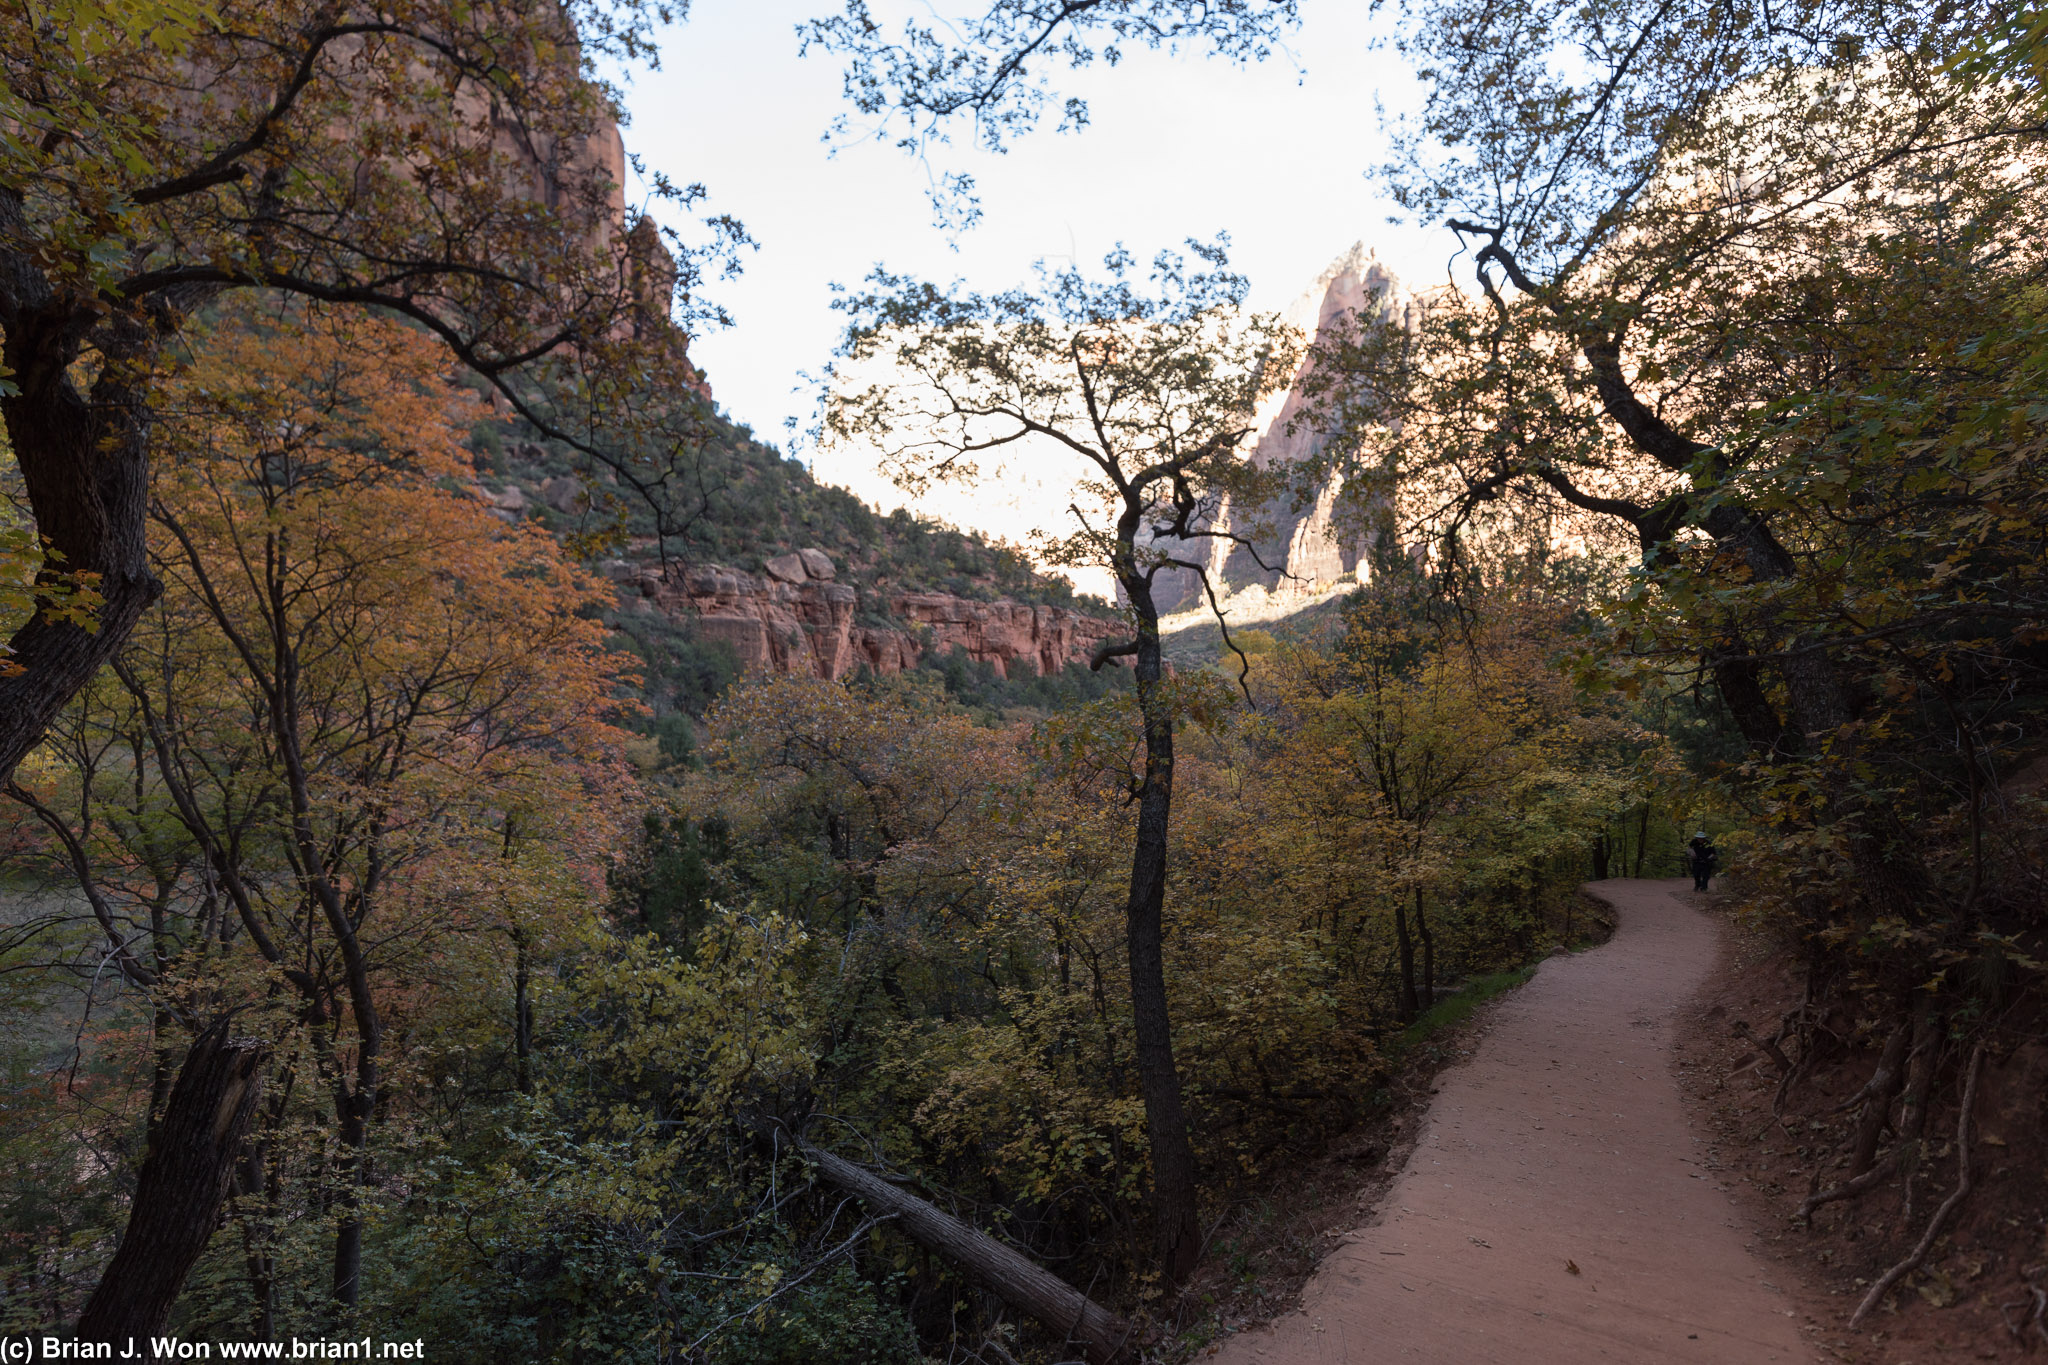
[1701, 857]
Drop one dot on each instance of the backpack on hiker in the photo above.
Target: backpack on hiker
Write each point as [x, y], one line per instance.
[1701, 860]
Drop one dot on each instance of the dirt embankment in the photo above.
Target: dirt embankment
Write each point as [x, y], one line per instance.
[1977, 1285]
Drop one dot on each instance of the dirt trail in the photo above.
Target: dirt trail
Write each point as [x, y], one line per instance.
[1562, 1143]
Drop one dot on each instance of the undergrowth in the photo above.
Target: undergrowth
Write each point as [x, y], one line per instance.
[1457, 1008]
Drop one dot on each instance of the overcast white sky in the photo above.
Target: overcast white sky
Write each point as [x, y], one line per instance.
[1273, 154]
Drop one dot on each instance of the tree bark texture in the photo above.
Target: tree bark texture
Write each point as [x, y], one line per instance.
[1024, 1285]
[351, 1172]
[1178, 1223]
[1884, 1085]
[84, 460]
[193, 1149]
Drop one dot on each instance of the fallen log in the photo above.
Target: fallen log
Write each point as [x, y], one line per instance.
[1023, 1284]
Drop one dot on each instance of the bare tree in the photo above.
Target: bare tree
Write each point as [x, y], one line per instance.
[916, 87]
[1147, 389]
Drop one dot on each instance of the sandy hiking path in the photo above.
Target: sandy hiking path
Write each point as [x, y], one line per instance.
[1563, 1143]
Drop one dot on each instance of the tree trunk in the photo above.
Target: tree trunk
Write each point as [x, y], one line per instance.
[1740, 683]
[1921, 1065]
[354, 1104]
[1178, 1226]
[1885, 858]
[1600, 856]
[522, 1012]
[193, 1148]
[353, 1112]
[1884, 1085]
[1422, 932]
[1407, 1005]
[1642, 838]
[1024, 1285]
[85, 464]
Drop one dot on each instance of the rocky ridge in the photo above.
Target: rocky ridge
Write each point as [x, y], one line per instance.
[796, 617]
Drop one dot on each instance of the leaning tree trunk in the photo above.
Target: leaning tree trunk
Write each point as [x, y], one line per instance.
[1178, 1225]
[1885, 858]
[1023, 1284]
[85, 464]
[193, 1148]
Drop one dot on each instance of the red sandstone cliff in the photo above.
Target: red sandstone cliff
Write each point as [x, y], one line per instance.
[797, 618]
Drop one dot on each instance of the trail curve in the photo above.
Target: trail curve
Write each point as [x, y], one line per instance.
[1553, 1210]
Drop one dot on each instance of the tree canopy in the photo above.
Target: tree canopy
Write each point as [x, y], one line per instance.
[449, 163]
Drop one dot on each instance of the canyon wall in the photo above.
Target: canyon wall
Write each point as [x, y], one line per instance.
[584, 178]
[797, 618]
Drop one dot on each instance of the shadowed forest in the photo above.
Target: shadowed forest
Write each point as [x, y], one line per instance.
[417, 922]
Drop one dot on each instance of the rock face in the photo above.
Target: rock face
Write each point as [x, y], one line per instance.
[808, 623]
[1030, 486]
[585, 176]
[1301, 543]
[562, 494]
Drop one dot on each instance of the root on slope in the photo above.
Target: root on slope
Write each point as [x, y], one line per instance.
[1891, 1278]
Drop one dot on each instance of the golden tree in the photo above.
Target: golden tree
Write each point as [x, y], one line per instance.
[445, 162]
[361, 733]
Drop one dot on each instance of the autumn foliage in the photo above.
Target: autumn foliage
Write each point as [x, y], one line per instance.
[349, 776]
[1716, 492]
[545, 1036]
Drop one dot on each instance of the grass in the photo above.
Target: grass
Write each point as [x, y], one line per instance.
[1456, 1010]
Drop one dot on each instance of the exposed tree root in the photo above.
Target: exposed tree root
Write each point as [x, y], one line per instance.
[1913, 1107]
[1890, 1279]
[1787, 1069]
[1853, 1188]
[1785, 1082]
[1771, 1045]
[1800, 1024]
[2036, 1306]
[1883, 1082]
[1866, 1173]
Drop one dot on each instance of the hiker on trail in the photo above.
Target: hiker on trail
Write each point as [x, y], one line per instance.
[1701, 857]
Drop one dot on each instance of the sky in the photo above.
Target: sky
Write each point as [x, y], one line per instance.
[1274, 154]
